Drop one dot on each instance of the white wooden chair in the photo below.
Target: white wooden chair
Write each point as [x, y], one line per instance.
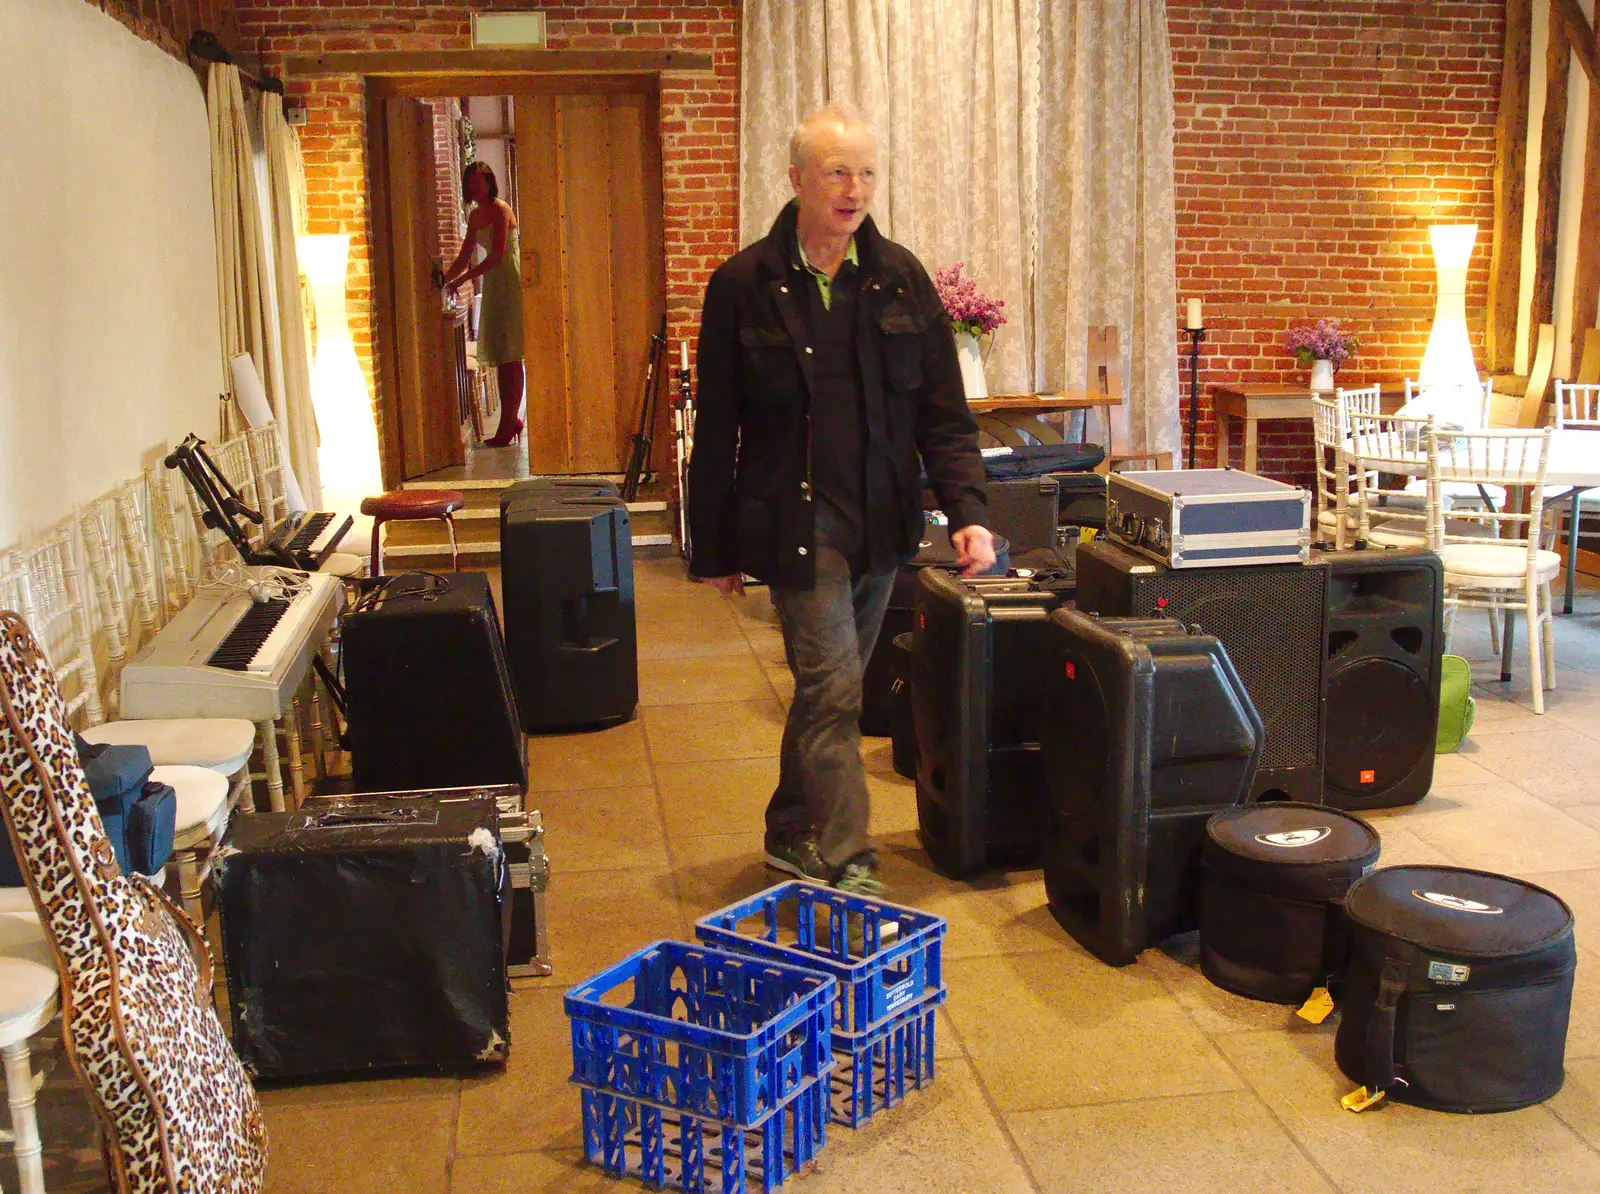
[205, 761]
[1577, 406]
[1381, 445]
[1504, 573]
[30, 990]
[174, 542]
[1336, 518]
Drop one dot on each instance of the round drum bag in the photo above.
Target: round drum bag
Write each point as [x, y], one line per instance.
[1273, 878]
[1459, 989]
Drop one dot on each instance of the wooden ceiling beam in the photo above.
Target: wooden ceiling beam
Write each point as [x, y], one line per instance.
[497, 62]
[1548, 179]
[1510, 189]
[1581, 36]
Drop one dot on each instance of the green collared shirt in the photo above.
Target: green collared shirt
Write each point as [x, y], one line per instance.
[825, 283]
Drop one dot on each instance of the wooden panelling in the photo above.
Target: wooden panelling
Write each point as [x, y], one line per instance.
[385, 340]
[432, 86]
[591, 353]
[544, 319]
[1557, 63]
[1510, 189]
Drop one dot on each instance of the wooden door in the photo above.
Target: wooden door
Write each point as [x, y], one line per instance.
[593, 273]
[425, 406]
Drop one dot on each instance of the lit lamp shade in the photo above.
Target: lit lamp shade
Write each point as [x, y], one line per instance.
[1447, 361]
[348, 447]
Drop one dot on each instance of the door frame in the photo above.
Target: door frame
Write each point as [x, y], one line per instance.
[455, 73]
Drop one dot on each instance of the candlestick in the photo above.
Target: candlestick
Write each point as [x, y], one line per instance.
[683, 354]
[1195, 334]
[1194, 315]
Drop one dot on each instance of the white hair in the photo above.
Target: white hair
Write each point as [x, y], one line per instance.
[840, 115]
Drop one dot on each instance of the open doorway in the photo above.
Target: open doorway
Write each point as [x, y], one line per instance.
[579, 160]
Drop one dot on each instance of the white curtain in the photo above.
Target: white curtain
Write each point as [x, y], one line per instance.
[243, 277]
[1031, 139]
[297, 420]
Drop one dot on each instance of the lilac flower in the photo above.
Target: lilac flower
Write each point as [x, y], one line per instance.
[1325, 342]
[969, 311]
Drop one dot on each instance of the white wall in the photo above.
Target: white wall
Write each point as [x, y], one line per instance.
[109, 342]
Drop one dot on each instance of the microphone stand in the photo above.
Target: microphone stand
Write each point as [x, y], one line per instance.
[1195, 336]
[221, 501]
[683, 433]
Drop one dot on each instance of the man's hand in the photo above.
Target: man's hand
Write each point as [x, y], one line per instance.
[729, 585]
[974, 550]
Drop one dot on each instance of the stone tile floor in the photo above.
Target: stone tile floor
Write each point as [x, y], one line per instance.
[1056, 1073]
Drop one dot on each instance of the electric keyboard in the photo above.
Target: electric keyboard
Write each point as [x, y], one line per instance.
[232, 656]
[310, 536]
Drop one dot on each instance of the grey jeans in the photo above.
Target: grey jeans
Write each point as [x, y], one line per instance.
[828, 634]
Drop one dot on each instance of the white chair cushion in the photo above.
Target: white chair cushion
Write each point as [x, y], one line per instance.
[1328, 520]
[1398, 535]
[27, 997]
[15, 899]
[1491, 562]
[202, 797]
[341, 564]
[22, 936]
[222, 743]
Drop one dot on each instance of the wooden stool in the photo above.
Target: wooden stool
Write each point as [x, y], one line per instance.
[409, 505]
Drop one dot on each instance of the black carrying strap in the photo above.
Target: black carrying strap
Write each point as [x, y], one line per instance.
[1382, 1070]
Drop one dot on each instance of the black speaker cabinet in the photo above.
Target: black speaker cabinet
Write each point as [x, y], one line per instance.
[977, 675]
[934, 551]
[1147, 732]
[1383, 642]
[566, 557]
[429, 697]
[366, 935]
[1269, 617]
[1024, 511]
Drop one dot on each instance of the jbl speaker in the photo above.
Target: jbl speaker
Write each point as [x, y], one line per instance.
[429, 699]
[1269, 618]
[1147, 732]
[1024, 511]
[566, 556]
[1383, 643]
[977, 678]
[366, 935]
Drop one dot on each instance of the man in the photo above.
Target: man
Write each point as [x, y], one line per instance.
[827, 366]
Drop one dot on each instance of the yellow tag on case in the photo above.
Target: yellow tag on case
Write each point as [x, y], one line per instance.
[1360, 1099]
[1318, 1007]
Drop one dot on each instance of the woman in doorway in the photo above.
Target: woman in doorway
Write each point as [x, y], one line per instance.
[492, 225]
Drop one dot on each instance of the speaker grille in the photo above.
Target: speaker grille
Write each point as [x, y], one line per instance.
[1270, 620]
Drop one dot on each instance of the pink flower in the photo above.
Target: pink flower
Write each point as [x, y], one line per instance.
[1325, 342]
[969, 311]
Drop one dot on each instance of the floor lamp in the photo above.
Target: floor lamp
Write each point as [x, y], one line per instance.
[347, 437]
[1448, 370]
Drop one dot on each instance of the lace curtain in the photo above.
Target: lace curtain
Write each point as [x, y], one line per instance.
[1030, 139]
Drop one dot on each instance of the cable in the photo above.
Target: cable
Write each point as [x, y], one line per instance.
[435, 585]
[265, 582]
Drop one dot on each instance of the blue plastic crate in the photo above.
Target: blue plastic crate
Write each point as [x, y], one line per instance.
[803, 924]
[718, 1036]
[666, 1148]
[873, 1070]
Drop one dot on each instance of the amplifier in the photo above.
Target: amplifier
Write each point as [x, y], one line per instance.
[428, 693]
[365, 935]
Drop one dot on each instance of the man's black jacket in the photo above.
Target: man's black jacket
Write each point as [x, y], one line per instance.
[750, 507]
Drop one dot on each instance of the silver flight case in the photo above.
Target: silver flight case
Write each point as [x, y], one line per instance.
[1208, 517]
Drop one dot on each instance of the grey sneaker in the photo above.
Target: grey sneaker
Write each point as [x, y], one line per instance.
[859, 876]
[797, 856]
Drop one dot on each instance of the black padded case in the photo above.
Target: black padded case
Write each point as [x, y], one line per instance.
[1147, 732]
[977, 670]
[1272, 888]
[1459, 989]
[933, 551]
[566, 557]
[429, 697]
[365, 935]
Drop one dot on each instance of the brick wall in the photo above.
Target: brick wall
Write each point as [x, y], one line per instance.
[447, 176]
[170, 23]
[699, 118]
[1315, 142]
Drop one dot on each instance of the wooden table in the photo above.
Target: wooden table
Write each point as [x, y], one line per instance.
[1010, 417]
[1253, 403]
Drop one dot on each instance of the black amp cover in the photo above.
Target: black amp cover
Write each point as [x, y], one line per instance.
[566, 555]
[1147, 731]
[365, 935]
[977, 675]
[429, 698]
